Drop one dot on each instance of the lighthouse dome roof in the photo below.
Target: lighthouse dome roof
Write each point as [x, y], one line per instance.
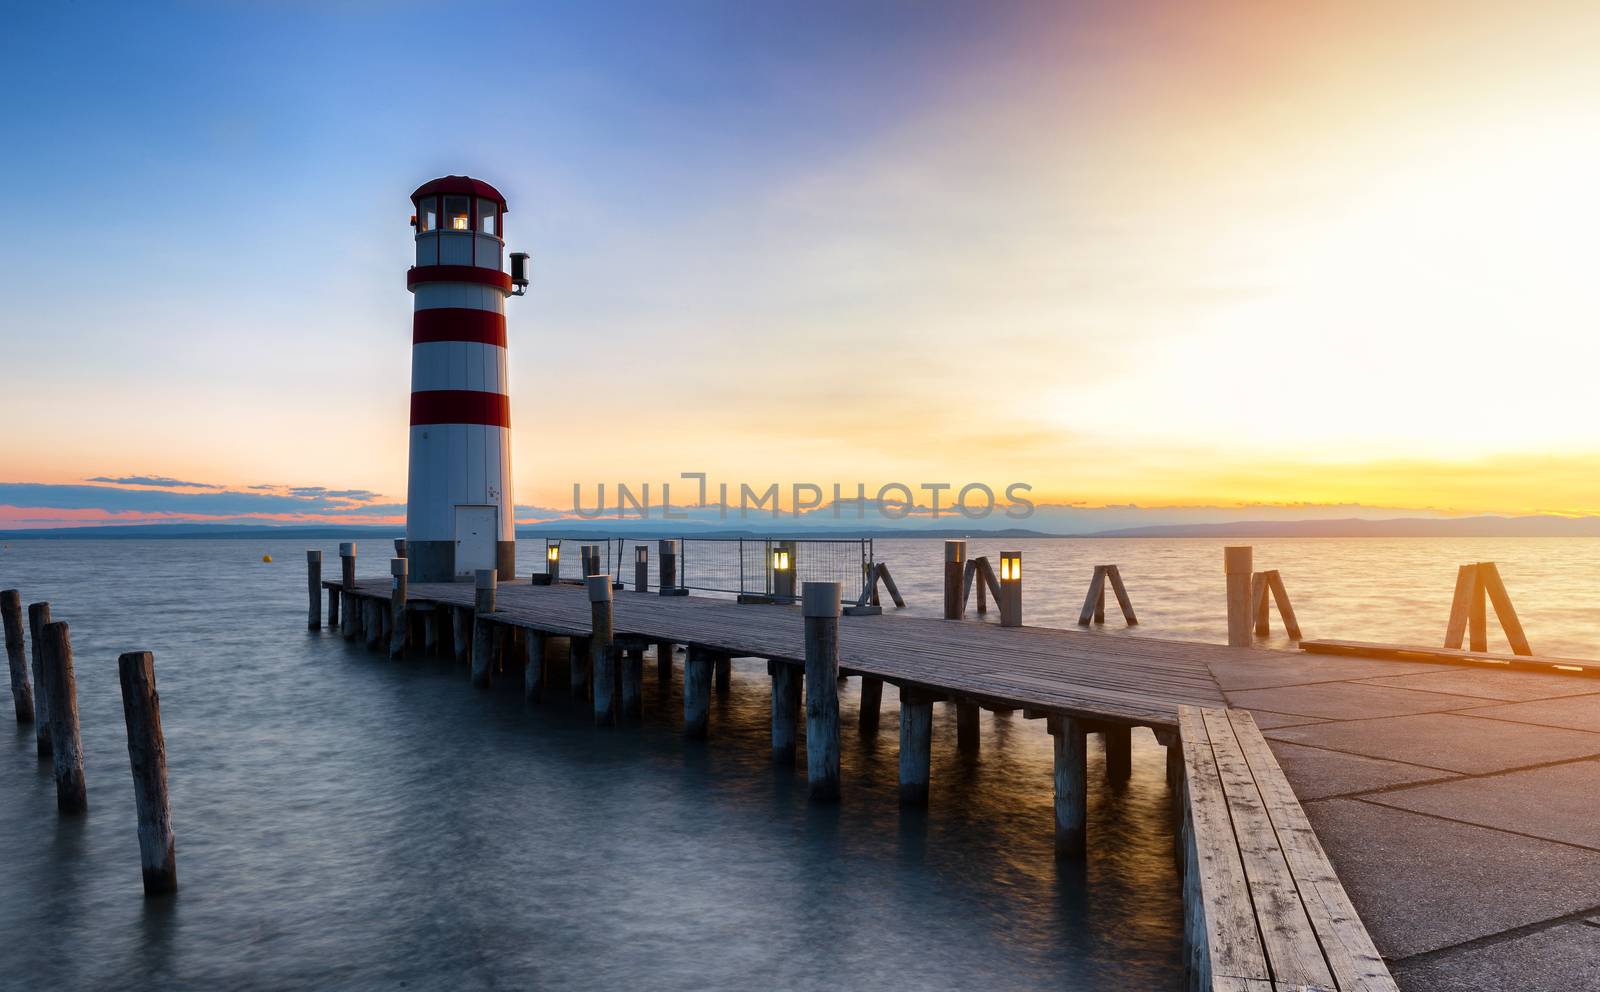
[465, 185]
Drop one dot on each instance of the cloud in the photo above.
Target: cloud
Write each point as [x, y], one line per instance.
[32, 504]
[161, 481]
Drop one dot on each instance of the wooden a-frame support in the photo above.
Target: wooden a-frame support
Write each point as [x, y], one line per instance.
[1469, 612]
[879, 572]
[1094, 605]
[980, 570]
[1262, 583]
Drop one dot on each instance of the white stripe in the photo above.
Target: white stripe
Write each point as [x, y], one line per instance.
[458, 365]
[463, 295]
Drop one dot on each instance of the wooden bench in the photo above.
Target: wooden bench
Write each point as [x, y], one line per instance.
[1263, 909]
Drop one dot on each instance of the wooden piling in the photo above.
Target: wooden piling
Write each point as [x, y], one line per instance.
[955, 564]
[724, 674]
[533, 674]
[460, 634]
[399, 547]
[641, 568]
[147, 754]
[333, 608]
[1238, 565]
[1118, 743]
[633, 683]
[786, 680]
[967, 728]
[697, 692]
[347, 584]
[602, 651]
[66, 746]
[399, 620]
[820, 607]
[373, 611]
[578, 666]
[1071, 786]
[1503, 610]
[978, 565]
[871, 705]
[1114, 573]
[314, 586]
[916, 746]
[1280, 595]
[667, 552]
[1478, 617]
[664, 662]
[1259, 607]
[484, 583]
[430, 631]
[38, 619]
[21, 684]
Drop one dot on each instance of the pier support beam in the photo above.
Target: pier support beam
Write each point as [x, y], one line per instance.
[820, 606]
[38, 619]
[916, 746]
[1238, 565]
[314, 586]
[578, 666]
[1119, 753]
[66, 746]
[460, 633]
[21, 684]
[430, 632]
[533, 666]
[147, 754]
[871, 705]
[724, 674]
[664, 662]
[785, 710]
[333, 609]
[483, 636]
[967, 728]
[347, 585]
[1071, 782]
[697, 692]
[633, 683]
[372, 612]
[602, 651]
[399, 618]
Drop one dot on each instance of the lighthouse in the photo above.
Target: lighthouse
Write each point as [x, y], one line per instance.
[458, 499]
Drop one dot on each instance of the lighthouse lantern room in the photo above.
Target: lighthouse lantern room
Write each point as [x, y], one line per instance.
[458, 502]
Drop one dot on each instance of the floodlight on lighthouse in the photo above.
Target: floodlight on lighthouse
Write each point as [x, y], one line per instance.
[519, 272]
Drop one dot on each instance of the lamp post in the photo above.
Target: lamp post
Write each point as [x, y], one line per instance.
[783, 573]
[641, 568]
[1010, 589]
[552, 560]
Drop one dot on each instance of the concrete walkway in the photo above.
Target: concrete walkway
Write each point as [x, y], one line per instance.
[1459, 807]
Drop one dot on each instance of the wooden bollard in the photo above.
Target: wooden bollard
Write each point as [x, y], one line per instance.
[482, 636]
[38, 619]
[916, 746]
[641, 568]
[602, 650]
[399, 618]
[147, 753]
[967, 728]
[1071, 786]
[589, 555]
[1118, 743]
[667, 566]
[785, 710]
[533, 666]
[871, 705]
[819, 603]
[785, 556]
[552, 560]
[399, 547]
[664, 662]
[314, 587]
[347, 585]
[21, 684]
[1238, 565]
[955, 563]
[1010, 598]
[697, 692]
[633, 683]
[66, 746]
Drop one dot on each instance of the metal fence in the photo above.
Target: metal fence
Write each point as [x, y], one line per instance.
[732, 565]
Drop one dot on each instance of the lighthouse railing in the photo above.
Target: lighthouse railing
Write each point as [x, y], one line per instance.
[730, 566]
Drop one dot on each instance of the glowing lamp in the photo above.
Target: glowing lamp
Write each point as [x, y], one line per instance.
[1010, 567]
[1010, 598]
[552, 553]
[641, 554]
[780, 559]
[459, 223]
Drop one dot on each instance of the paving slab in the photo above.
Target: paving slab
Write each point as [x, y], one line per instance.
[1447, 740]
[1556, 802]
[1562, 958]
[1573, 712]
[1422, 883]
[1490, 684]
[1283, 668]
[1343, 700]
[1267, 720]
[1316, 773]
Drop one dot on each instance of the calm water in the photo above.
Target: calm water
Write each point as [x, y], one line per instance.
[348, 822]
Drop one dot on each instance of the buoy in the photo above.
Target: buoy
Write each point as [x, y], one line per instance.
[266, 557]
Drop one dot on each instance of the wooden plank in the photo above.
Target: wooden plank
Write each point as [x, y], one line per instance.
[1347, 947]
[986, 571]
[888, 583]
[1477, 615]
[967, 575]
[1115, 575]
[1095, 600]
[1456, 630]
[1220, 891]
[1489, 575]
[1293, 954]
[1291, 623]
[1258, 604]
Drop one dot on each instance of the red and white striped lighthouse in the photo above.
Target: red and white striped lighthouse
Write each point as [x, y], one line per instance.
[459, 508]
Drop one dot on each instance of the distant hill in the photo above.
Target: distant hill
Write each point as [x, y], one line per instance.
[1485, 526]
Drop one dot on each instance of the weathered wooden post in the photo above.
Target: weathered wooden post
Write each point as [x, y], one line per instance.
[871, 705]
[578, 666]
[955, 563]
[633, 682]
[373, 611]
[1238, 565]
[641, 568]
[552, 560]
[484, 583]
[1119, 753]
[1071, 786]
[38, 619]
[667, 551]
[916, 746]
[982, 587]
[533, 666]
[347, 585]
[21, 685]
[967, 728]
[333, 608]
[724, 674]
[785, 710]
[783, 562]
[697, 691]
[399, 547]
[399, 620]
[147, 754]
[430, 631]
[314, 586]
[460, 633]
[589, 554]
[602, 651]
[1010, 598]
[819, 603]
[664, 662]
[72, 792]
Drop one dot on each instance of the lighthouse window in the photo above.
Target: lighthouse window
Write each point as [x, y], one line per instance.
[488, 218]
[428, 213]
[455, 213]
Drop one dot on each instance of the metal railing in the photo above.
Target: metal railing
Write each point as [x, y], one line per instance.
[730, 565]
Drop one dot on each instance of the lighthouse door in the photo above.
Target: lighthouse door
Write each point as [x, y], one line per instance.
[477, 531]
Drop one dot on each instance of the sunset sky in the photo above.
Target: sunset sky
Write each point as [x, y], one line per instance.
[1172, 254]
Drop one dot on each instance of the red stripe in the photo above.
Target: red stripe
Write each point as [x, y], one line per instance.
[460, 406]
[476, 274]
[458, 324]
